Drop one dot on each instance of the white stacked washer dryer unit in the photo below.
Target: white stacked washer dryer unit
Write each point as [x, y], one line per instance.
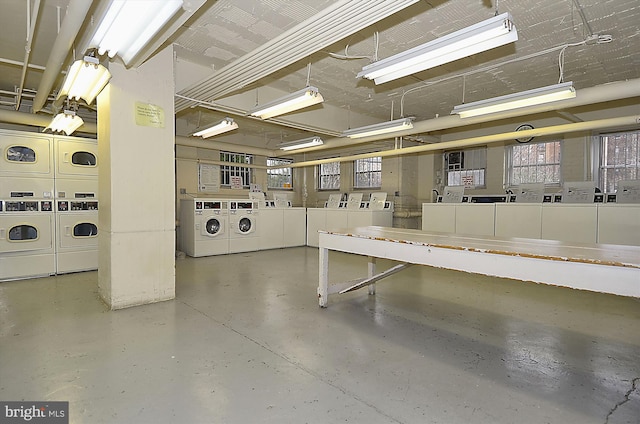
[243, 226]
[76, 225]
[204, 227]
[27, 227]
[76, 182]
[26, 238]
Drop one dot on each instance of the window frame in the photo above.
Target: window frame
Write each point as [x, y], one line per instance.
[470, 154]
[286, 172]
[369, 173]
[599, 155]
[510, 180]
[320, 176]
[227, 171]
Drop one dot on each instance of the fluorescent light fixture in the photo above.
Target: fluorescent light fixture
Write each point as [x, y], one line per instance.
[301, 144]
[537, 96]
[66, 122]
[85, 80]
[308, 96]
[483, 36]
[381, 128]
[128, 25]
[227, 124]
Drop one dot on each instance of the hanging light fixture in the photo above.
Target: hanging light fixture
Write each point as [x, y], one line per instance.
[227, 124]
[537, 96]
[128, 25]
[381, 128]
[301, 144]
[66, 122]
[85, 80]
[306, 97]
[491, 33]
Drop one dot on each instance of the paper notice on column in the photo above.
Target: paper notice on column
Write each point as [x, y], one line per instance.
[208, 178]
[148, 115]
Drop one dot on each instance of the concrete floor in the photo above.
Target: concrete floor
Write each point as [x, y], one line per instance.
[245, 342]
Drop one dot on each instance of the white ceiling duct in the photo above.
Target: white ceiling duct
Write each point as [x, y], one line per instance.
[477, 141]
[76, 13]
[334, 23]
[585, 96]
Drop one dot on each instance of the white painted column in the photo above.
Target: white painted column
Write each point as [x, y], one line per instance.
[136, 182]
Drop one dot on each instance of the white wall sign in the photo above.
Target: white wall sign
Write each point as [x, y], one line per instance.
[148, 115]
[236, 182]
[468, 181]
[208, 178]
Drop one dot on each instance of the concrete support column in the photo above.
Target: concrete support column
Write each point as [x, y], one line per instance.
[136, 134]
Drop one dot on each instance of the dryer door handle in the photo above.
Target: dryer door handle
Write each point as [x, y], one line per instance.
[3, 233]
[65, 157]
[67, 230]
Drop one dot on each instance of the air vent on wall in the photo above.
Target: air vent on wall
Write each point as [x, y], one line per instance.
[454, 160]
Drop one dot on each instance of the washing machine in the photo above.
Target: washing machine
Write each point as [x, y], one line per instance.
[75, 158]
[243, 226]
[76, 225]
[204, 227]
[27, 233]
[25, 155]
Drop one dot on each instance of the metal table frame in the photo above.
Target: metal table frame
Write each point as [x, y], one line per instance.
[603, 268]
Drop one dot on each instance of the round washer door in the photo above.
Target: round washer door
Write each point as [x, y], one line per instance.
[212, 227]
[245, 225]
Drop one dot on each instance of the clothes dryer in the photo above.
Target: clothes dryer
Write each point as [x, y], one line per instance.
[204, 227]
[25, 155]
[243, 222]
[27, 232]
[76, 158]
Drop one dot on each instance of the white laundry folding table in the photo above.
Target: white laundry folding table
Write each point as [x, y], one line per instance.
[605, 268]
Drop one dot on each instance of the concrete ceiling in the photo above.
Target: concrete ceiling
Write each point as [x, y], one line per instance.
[225, 33]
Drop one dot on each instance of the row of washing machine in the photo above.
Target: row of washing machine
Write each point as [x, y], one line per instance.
[220, 226]
[48, 205]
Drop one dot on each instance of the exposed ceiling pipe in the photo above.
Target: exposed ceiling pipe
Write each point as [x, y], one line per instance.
[31, 28]
[483, 140]
[585, 96]
[21, 118]
[330, 25]
[76, 14]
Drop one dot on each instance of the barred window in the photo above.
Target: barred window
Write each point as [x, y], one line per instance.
[619, 159]
[229, 171]
[466, 167]
[329, 176]
[279, 178]
[367, 173]
[533, 163]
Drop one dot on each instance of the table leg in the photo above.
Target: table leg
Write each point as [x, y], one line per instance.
[371, 271]
[323, 277]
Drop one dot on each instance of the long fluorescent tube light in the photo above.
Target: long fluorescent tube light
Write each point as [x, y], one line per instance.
[85, 80]
[128, 25]
[381, 128]
[227, 124]
[306, 97]
[66, 122]
[301, 144]
[537, 96]
[483, 36]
